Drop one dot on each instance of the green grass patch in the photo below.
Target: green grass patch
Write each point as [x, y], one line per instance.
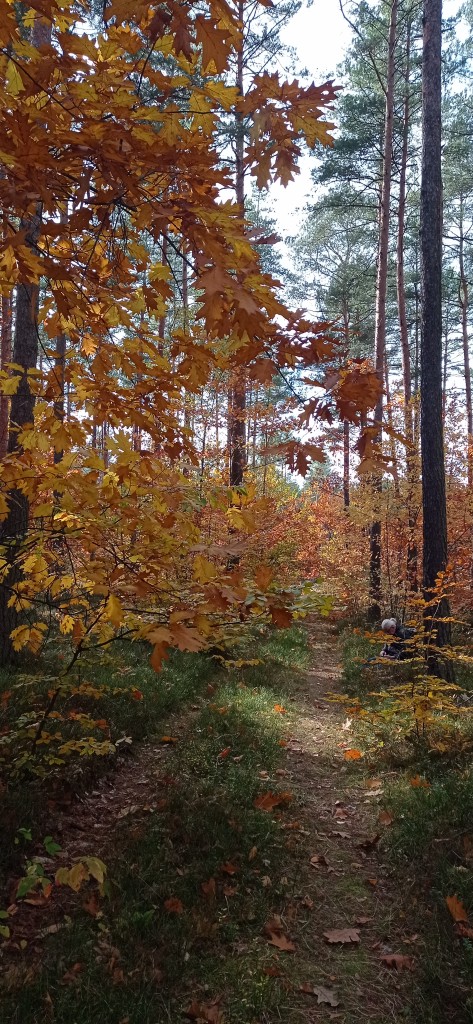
[196, 873]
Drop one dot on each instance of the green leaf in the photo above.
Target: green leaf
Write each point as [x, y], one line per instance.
[51, 846]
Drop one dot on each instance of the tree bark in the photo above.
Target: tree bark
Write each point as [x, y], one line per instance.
[381, 290]
[14, 527]
[237, 394]
[463, 298]
[5, 358]
[432, 446]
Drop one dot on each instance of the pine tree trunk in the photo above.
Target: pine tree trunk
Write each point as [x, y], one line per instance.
[432, 447]
[5, 358]
[237, 396]
[14, 527]
[346, 463]
[381, 290]
[463, 297]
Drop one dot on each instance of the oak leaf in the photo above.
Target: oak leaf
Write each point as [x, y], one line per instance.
[398, 961]
[344, 936]
[456, 908]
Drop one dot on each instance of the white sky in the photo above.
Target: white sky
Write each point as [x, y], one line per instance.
[320, 36]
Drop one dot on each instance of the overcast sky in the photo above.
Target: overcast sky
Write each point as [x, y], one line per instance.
[320, 36]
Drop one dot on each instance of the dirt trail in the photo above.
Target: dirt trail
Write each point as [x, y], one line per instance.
[334, 875]
[348, 881]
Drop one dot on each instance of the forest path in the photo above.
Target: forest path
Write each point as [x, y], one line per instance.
[343, 872]
[313, 865]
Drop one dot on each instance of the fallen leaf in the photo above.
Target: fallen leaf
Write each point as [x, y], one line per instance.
[91, 904]
[318, 860]
[418, 783]
[352, 755]
[324, 995]
[372, 881]
[369, 844]
[398, 961]
[464, 930]
[456, 908]
[342, 935]
[208, 1012]
[385, 818]
[276, 937]
[280, 709]
[230, 890]
[71, 976]
[252, 853]
[173, 906]
[308, 902]
[363, 920]
[168, 739]
[228, 868]
[209, 888]
[224, 753]
[267, 801]
[273, 972]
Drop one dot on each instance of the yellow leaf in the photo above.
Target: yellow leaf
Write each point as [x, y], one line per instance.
[13, 80]
[66, 624]
[203, 569]
[114, 611]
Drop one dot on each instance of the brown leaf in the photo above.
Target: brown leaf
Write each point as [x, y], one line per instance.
[324, 995]
[456, 908]
[342, 935]
[369, 844]
[398, 961]
[273, 972]
[418, 783]
[267, 801]
[253, 852]
[385, 818]
[281, 942]
[173, 906]
[71, 976]
[168, 739]
[91, 905]
[276, 937]
[207, 1012]
[363, 920]
[464, 930]
[318, 860]
[352, 755]
[209, 888]
[228, 868]
[308, 902]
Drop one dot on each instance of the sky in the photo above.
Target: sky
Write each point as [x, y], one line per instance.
[320, 36]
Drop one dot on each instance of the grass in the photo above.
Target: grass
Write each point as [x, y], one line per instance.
[430, 842]
[204, 846]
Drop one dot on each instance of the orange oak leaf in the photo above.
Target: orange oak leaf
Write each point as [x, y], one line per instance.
[456, 908]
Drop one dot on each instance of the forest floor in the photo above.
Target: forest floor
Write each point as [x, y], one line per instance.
[247, 876]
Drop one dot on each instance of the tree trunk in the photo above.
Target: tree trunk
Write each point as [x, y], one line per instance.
[14, 527]
[433, 465]
[463, 299]
[237, 395]
[381, 289]
[5, 358]
[346, 463]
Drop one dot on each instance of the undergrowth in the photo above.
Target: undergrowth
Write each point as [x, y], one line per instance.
[430, 841]
[194, 873]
